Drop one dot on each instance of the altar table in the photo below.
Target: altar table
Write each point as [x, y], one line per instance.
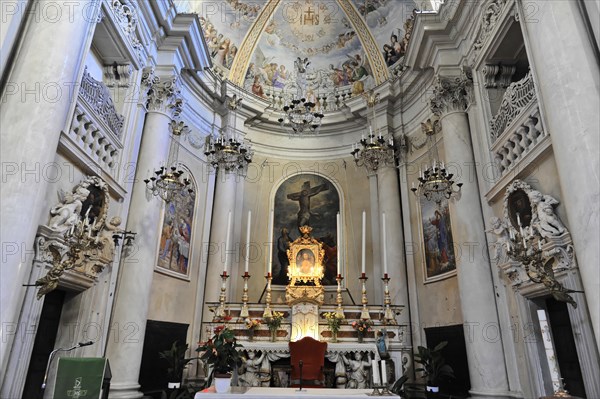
[285, 393]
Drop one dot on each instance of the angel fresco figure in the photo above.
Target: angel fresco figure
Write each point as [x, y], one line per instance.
[301, 65]
[303, 197]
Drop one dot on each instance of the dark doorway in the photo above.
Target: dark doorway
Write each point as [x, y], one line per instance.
[455, 354]
[45, 339]
[564, 345]
[159, 337]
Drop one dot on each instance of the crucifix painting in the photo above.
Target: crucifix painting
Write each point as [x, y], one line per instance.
[305, 199]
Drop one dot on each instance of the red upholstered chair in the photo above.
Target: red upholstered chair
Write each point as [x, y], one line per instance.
[312, 355]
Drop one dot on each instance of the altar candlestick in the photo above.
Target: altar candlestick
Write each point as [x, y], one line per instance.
[385, 268]
[337, 220]
[248, 242]
[383, 373]
[228, 236]
[270, 264]
[364, 242]
[375, 370]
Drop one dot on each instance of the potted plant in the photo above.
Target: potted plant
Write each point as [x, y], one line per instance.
[221, 354]
[334, 321]
[177, 362]
[273, 323]
[434, 365]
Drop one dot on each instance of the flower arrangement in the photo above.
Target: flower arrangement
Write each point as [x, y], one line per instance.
[274, 321]
[252, 324]
[362, 326]
[220, 352]
[334, 321]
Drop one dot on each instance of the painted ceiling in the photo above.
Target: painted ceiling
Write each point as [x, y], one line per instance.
[349, 44]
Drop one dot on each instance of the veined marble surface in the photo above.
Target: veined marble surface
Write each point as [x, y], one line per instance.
[284, 393]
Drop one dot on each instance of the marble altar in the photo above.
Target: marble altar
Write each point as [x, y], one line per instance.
[284, 393]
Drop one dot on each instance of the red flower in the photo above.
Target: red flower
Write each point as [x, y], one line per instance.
[218, 329]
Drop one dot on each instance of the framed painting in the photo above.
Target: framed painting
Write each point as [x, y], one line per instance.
[175, 242]
[437, 242]
[311, 200]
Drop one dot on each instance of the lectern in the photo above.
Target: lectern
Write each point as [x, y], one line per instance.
[87, 377]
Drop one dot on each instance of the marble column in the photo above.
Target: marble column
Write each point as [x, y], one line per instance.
[224, 203]
[487, 370]
[376, 296]
[126, 338]
[36, 105]
[566, 76]
[389, 203]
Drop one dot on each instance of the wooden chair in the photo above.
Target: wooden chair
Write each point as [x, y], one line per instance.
[307, 363]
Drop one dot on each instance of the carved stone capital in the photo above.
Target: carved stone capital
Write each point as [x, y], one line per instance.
[118, 75]
[451, 94]
[163, 93]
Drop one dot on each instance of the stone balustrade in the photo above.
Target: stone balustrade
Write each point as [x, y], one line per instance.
[518, 97]
[518, 141]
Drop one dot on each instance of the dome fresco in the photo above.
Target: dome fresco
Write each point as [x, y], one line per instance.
[322, 32]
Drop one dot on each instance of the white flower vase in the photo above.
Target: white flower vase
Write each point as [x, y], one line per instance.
[222, 384]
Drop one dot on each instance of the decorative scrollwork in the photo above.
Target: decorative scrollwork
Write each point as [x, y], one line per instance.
[518, 96]
[97, 96]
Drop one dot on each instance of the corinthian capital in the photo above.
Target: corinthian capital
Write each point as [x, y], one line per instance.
[450, 94]
[163, 93]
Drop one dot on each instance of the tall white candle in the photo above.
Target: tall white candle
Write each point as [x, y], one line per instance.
[375, 370]
[383, 373]
[384, 238]
[270, 264]
[338, 224]
[248, 242]
[364, 242]
[228, 237]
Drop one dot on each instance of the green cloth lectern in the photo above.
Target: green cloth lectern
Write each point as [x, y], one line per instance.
[80, 378]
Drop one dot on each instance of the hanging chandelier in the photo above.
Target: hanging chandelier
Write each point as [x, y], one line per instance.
[167, 182]
[435, 183]
[300, 114]
[226, 152]
[374, 150]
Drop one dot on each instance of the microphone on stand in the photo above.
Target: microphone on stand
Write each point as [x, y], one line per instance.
[301, 363]
[52, 354]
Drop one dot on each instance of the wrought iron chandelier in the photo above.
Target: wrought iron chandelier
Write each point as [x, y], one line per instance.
[374, 150]
[300, 114]
[226, 152]
[435, 183]
[168, 182]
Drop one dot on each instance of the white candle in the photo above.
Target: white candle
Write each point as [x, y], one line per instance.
[248, 242]
[385, 269]
[337, 220]
[383, 373]
[375, 370]
[364, 242]
[540, 245]
[228, 236]
[518, 220]
[270, 264]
